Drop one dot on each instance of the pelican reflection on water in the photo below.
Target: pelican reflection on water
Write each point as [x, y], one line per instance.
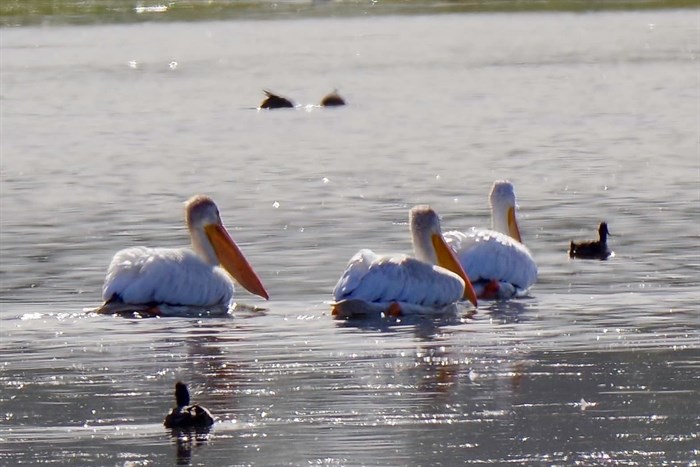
[497, 262]
[160, 281]
[398, 284]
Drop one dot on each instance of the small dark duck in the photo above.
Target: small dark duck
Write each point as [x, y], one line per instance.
[592, 249]
[332, 100]
[274, 101]
[186, 415]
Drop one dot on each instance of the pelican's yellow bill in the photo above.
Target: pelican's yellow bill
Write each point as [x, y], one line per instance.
[448, 260]
[513, 225]
[233, 261]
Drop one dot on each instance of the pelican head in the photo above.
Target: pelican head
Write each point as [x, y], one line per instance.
[429, 245]
[212, 242]
[502, 201]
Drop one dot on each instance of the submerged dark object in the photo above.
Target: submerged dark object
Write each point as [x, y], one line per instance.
[274, 101]
[594, 249]
[186, 415]
[332, 100]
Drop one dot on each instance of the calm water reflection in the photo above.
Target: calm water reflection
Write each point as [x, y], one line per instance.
[592, 116]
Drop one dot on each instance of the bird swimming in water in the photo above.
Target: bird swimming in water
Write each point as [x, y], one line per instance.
[395, 285]
[162, 281]
[592, 249]
[332, 100]
[185, 415]
[497, 262]
[274, 101]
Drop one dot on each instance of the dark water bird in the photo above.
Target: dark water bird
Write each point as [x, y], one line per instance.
[274, 101]
[593, 249]
[186, 415]
[332, 100]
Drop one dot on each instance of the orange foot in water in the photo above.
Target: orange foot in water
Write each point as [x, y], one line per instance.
[151, 312]
[394, 310]
[334, 309]
[491, 290]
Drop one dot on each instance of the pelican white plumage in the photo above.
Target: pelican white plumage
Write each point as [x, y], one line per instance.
[496, 261]
[426, 283]
[153, 280]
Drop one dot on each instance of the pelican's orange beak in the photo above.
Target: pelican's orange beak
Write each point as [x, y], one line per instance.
[513, 225]
[448, 260]
[233, 261]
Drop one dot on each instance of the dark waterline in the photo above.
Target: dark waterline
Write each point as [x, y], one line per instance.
[65, 12]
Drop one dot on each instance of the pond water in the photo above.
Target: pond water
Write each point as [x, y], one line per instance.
[107, 129]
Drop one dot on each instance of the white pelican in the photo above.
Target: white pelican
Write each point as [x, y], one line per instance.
[428, 283]
[157, 280]
[497, 262]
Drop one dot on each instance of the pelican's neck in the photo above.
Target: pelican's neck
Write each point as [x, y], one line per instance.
[424, 222]
[202, 246]
[499, 218]
[423, 247]
[501, 199]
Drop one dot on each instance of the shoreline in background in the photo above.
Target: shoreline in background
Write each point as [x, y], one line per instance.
[15, 13]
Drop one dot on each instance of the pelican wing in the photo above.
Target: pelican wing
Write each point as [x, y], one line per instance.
[165, 275]
[490, 255]
[384, 279]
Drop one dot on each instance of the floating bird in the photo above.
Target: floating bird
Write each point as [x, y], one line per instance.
[152, 280]
[274, 101]
[592, 249]
[394, 285]
[496, 261]
[185, 415]
[332, 100]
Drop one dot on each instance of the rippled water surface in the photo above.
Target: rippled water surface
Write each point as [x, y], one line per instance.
[107, 129]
